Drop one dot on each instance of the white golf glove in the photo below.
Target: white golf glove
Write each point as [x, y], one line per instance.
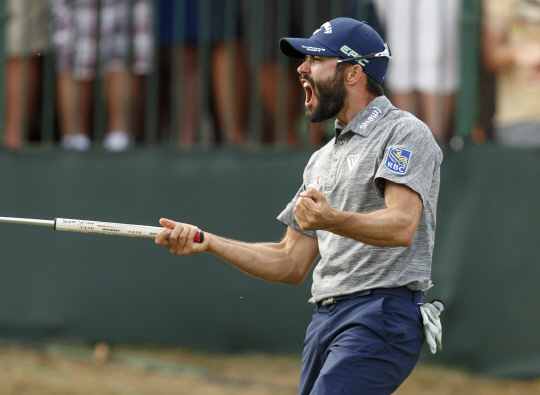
[432, 324]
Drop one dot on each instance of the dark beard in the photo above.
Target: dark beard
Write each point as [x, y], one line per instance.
[330, 94]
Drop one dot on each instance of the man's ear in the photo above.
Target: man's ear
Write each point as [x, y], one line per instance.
[354, 74]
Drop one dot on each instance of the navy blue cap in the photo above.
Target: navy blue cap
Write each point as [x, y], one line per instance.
[346, 38]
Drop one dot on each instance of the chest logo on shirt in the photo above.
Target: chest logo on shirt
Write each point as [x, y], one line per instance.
[398, 159]
[315, 183]
[351, 161]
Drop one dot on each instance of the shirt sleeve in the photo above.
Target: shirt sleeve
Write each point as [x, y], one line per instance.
[411, 157]
[287, 216]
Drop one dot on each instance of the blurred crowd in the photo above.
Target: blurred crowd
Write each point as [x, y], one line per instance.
[511, 49]
[208, 59]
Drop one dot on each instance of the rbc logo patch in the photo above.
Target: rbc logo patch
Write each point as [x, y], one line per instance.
[398, 159]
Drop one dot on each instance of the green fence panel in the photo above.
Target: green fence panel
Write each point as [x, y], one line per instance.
[486, 261]
[97, 288]
[59, 285]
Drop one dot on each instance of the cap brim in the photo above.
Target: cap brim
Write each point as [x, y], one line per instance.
[300, 47]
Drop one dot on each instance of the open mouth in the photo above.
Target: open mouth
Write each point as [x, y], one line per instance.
[309, 92]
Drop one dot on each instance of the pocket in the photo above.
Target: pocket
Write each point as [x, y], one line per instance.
[357, 325]
[402, 320]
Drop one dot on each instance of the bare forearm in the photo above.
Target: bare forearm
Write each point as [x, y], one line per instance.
[393, 226]
[286, 262]
[267, 261]
[500, 52]
[499, 57]
[382, 228]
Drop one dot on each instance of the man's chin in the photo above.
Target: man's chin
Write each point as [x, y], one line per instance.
[311, 114]
[313, 117]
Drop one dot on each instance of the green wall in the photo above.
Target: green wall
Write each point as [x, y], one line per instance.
[60, 285]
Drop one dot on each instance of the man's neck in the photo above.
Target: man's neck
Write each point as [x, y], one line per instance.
[356, 102]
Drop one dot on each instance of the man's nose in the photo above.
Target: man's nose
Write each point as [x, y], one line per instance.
[303, 68]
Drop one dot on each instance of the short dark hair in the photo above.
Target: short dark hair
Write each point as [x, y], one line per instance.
[374, 87]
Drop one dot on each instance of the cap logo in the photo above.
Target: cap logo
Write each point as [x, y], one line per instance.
[327, 28]
[313, 49]
[353, 54]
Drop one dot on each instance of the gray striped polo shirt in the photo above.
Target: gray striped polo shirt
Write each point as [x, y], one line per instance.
[380, 143]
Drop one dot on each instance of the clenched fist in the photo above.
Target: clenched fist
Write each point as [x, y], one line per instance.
[312, 211]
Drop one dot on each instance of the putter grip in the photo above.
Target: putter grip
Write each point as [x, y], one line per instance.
[110, 228]
[199, 237]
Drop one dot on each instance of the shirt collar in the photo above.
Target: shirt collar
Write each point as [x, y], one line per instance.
[364, 122]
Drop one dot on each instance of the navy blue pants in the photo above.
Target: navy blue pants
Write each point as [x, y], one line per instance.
[366, 345]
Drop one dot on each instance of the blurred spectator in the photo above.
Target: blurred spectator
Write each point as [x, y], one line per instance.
[229, 92]
[26, 38]
[171, 32]
[270, 68]
[229, 85]
[423, 75]
[121, 38]
[511, 49]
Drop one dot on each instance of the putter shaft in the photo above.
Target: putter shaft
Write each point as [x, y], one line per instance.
[27, 221]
